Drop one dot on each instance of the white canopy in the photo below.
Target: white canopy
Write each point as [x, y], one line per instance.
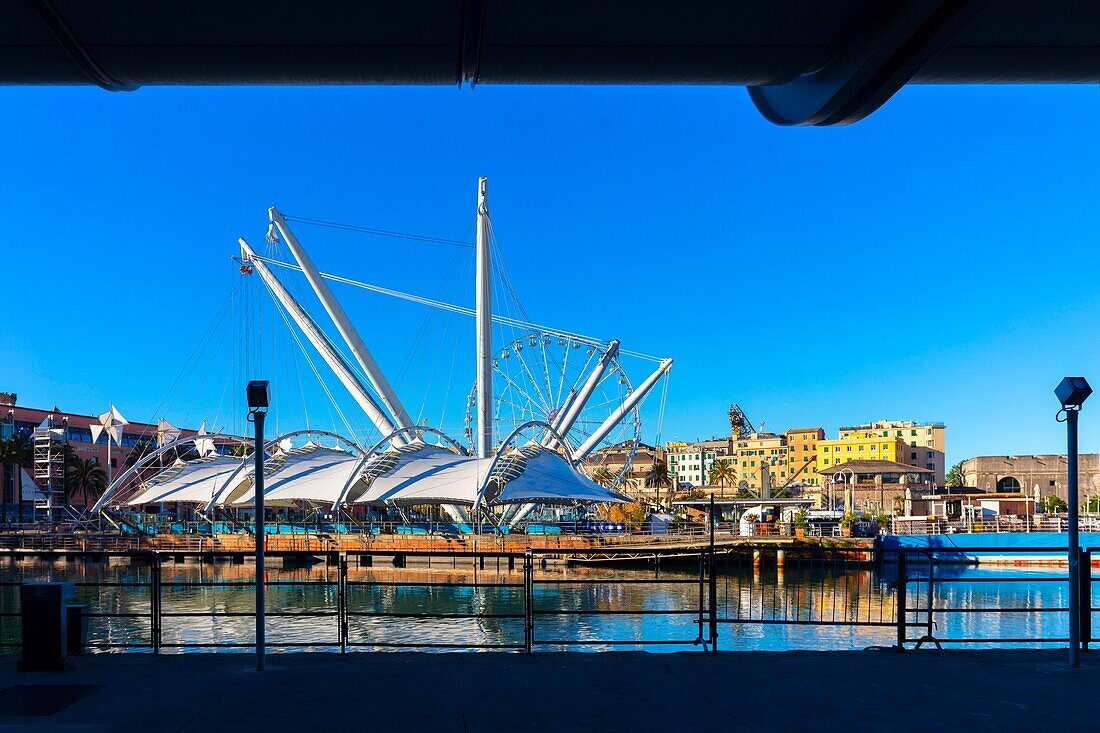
[311, 473]
[547, 477]
[427, 476]
[193, 481]
[434, 475]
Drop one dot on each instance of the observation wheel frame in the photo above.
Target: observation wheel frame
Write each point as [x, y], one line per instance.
[537, 389]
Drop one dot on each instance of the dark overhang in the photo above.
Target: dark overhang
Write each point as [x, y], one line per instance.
[804, 62]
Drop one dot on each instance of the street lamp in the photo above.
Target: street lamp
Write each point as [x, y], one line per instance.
[1072, 393]
[850, 489]
[258, 398]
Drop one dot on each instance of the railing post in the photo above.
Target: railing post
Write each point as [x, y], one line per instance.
[902, 592]
[1085, 595]
[154, 603]
[342, 601]
[714, 584]
[528, 602]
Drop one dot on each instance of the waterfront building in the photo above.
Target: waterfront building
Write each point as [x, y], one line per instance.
[1039, 475]
[863, 445]
[872, 485]
[689, 464]
[925, 442]
[755, 452]
[75, 429]
[643, 460]
[802, 454]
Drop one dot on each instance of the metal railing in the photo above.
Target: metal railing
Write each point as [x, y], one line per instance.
[509, 601]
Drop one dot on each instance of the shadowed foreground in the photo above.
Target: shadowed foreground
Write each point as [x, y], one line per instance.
[812, 691]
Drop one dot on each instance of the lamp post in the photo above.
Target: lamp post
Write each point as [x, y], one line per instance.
[257, 394]
[849, 490]
[1072, 393]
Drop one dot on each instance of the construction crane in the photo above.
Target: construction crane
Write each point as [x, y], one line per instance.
[739, 422]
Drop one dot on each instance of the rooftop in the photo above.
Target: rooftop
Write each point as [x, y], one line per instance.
[873, 467]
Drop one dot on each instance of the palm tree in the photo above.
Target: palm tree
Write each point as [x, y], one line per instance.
[141, 449]
[15, 452]
[7, 474]
[657, 477]
[85, 478]
[721, 473]
[603, 477]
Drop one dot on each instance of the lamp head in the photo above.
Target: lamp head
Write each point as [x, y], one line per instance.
[257, 394]
[1072, 392]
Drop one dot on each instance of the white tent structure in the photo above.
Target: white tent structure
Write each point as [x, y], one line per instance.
[312, 474]
[188, 482]
[510, 476]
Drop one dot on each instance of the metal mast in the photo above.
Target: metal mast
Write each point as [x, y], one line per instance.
[616, 417]
[343, 323]
[484, 320]
[310, 330]
[564, 424]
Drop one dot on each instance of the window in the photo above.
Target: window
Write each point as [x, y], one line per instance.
[1008, 483]
[930, 467]
[1052, 483]
[80, 435]
[849, 449]
[861, 448]
[913, 456]
[912, 432]
[930, 454]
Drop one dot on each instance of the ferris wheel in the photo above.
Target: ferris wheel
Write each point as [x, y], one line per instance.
[539, 376]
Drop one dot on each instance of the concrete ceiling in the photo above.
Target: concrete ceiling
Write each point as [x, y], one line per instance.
[804, 62]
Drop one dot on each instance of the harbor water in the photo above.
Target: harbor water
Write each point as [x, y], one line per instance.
[207, 605]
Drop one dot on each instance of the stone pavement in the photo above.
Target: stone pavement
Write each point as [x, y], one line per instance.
[969, 691]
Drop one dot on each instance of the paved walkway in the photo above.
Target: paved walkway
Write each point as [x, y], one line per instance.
[676, 693]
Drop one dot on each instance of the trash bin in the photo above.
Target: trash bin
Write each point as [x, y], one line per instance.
[42, 611]
[76, 622]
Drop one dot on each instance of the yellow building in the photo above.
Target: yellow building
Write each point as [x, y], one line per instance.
[866, 445]
[925, 441]
[753, 451]
[802, 454]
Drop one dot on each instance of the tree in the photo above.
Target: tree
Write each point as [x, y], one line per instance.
[141, 449]
[15, 452]
[657, 476]
[1052, 504]
[603, 477]
[86, 479]
[954, 476]
[722, 473]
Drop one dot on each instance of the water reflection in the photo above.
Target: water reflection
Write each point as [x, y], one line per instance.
[805, 605]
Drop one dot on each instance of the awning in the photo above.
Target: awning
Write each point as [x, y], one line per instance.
[429, 475]
[312, 473]
[548, 478]
[192, 481]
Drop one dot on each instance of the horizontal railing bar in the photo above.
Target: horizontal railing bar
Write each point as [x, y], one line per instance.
[105, 614]
[806, 622]
[245, 614]
[119, 644]
[1016, 579]
[245, 583]
[429, 584]
[998, 610]
[617, 581]
[612, 642]
[424, 645]
[613, 612]
[1001, 640]
[396, 614]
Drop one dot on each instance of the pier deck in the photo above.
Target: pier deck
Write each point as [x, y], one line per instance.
[732, 691]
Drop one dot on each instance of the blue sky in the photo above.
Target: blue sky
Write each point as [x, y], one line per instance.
[935, 261]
